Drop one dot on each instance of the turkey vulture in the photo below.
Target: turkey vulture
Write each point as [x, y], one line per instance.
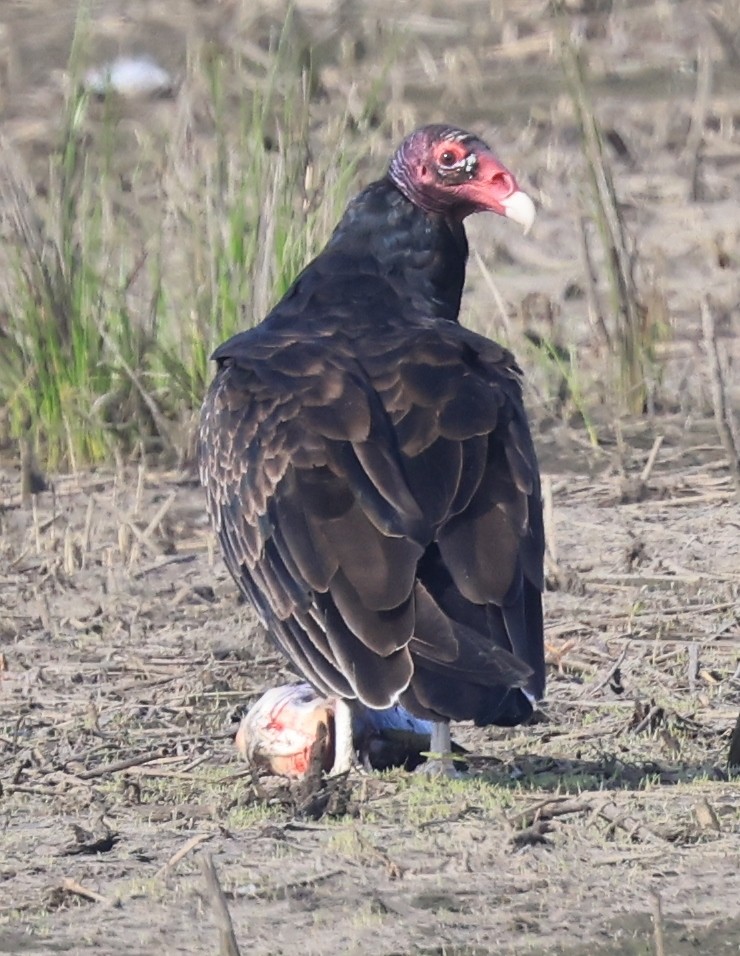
[369, 468]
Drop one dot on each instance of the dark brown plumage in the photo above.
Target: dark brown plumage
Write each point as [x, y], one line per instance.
[368, 464]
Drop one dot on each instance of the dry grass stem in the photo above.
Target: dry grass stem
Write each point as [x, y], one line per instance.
[629, 314]
[497, 297]
[656, 907]
[77, 889]
[227, 944]
[723, 414]
[192, 844]
[692, 152]
[652, 458]
[595, 315]
[120, 765]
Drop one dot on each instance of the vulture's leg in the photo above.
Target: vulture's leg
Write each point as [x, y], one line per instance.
[344, 748]
[440, 763]
[441, 742]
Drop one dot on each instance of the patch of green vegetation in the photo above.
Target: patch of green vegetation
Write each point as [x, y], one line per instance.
[569, 381]
[345, 842]
[250, 815]
[153, 889]
[425, 798]
[637, 312]
[367, 916]
[143, 252]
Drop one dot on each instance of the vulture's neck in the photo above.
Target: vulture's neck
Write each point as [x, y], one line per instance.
[420, 253]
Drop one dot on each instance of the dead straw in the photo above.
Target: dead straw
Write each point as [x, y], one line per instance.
[188, 847]
[722, 408]
[693, 150]
[658, 932]
[227, 944]
[77, 889]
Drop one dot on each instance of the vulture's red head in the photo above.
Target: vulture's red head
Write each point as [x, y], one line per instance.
[445, 170]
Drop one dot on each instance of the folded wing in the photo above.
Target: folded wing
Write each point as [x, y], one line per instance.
[377, 500]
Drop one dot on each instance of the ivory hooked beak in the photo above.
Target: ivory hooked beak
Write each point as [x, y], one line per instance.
[520, 208]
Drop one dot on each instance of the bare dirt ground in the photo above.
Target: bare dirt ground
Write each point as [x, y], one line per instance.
[610, 826]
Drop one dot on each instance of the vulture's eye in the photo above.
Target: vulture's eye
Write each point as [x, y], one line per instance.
[448, 158]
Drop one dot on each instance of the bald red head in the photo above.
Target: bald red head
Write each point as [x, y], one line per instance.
[446, 170]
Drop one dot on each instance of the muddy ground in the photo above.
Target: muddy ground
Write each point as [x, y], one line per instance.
[610, 826]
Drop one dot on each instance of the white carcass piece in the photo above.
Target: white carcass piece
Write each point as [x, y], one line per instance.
[283, 729]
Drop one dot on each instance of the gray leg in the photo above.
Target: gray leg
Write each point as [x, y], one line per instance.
[440, 764]
[441, 743]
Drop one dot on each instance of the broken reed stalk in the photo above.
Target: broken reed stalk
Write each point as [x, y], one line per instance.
[595, 316]
[722, 407]
[658, 929]
[77, 889]
[188, 847]
[733, 756]
[629, 314]
[694, 147]
[227, 944]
